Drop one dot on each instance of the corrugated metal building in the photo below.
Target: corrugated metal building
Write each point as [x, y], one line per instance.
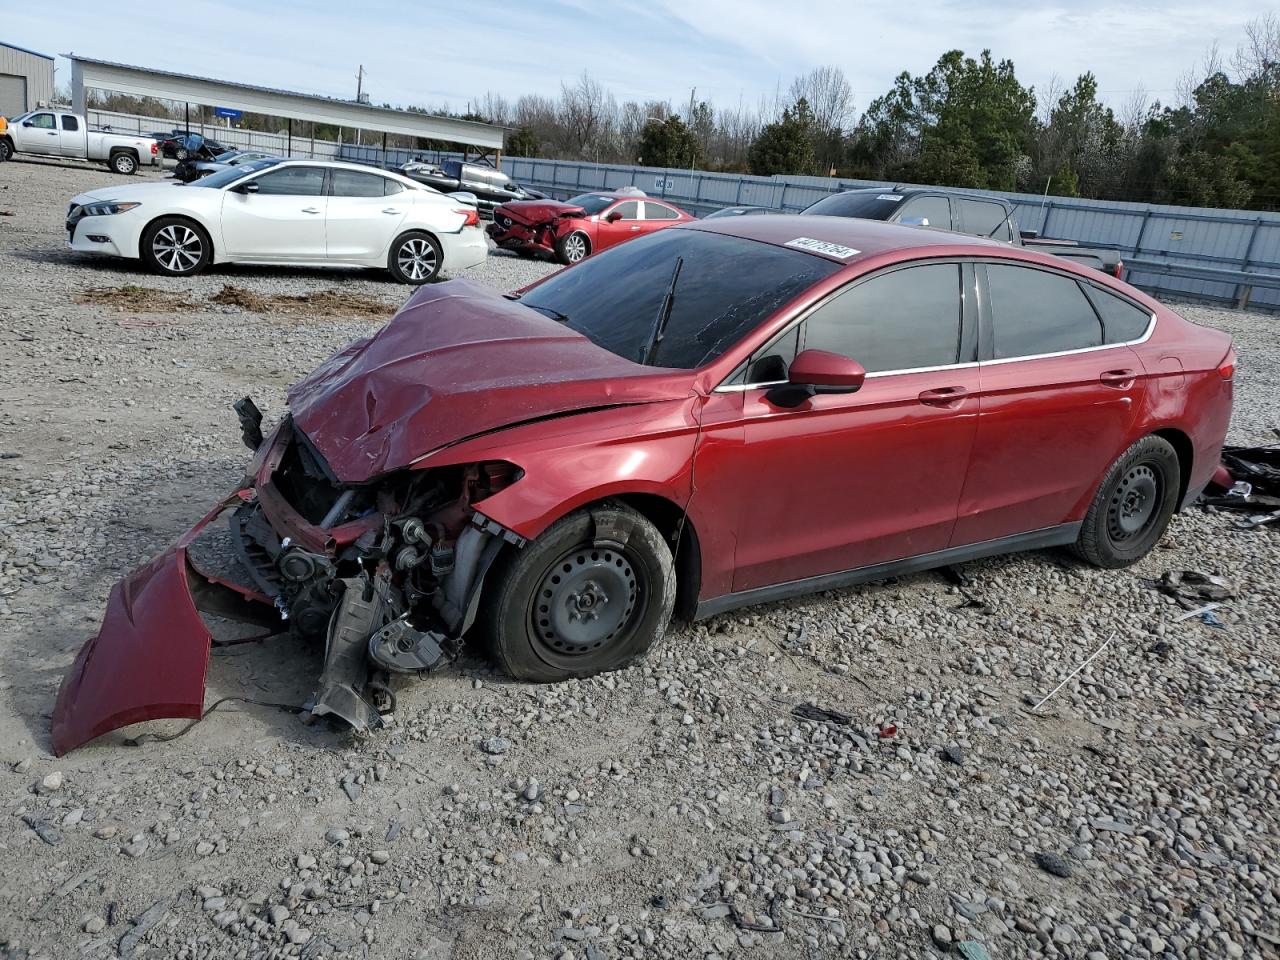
[26, 79]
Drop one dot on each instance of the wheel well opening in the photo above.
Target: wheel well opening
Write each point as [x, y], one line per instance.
[117, 150]
[678, 530]
[1183, 447]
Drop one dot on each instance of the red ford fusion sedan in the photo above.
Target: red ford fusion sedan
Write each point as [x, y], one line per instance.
[575, 229]
[719, 414]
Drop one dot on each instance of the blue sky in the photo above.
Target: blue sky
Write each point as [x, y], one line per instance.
[429, 53]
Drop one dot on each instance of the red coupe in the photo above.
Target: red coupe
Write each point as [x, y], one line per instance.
[575, 229]
[730, 412]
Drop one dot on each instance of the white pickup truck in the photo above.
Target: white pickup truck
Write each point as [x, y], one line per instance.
[57, 133]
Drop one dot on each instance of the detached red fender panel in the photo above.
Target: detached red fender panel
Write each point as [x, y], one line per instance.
[151, 654]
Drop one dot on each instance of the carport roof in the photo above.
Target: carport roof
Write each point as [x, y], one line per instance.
[166, 85]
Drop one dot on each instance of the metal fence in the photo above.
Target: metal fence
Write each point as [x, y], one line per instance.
[1230, 256]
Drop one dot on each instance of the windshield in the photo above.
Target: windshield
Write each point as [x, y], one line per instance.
[230, 175]
[727, 287]
[862, 204]
[592, 202]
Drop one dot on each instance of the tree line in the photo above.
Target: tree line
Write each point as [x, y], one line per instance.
[967, 122]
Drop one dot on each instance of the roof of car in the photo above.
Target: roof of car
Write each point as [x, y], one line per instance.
[865, 237]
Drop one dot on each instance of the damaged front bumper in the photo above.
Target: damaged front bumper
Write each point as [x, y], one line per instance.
[388, 574]
[150, 657]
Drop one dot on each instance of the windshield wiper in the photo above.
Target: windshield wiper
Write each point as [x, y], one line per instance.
[553, 314]
[650, 352]
[512, 296]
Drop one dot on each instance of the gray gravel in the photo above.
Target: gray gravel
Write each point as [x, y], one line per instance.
[673, 810]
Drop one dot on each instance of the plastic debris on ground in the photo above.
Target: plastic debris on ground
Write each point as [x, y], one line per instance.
[1256, 487]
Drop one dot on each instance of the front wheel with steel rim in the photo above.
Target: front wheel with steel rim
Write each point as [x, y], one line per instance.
[176, 247]
[1132, 507]
[573, 247]
[592, 593]
[415, 258]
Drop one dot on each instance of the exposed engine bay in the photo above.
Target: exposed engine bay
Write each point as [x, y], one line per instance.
[396, 597]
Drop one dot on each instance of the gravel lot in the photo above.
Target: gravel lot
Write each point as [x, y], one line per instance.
[674, 810]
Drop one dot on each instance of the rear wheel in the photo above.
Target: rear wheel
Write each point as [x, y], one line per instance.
[6, 149]
[415, 258]
[593, 593]
[124, 163]
[176, 247]
[1133, 505]
[573, 247]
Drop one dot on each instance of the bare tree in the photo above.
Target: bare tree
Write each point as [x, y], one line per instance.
[830, 97]
[1261, 48]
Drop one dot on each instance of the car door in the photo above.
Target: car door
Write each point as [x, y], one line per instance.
[611, 229]
[71, 139]
[39, 134]
[363, 218]
[1058, 404]
[277, 215]
[853, 480]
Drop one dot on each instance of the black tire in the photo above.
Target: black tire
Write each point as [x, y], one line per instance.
[415, 258]
[124, 163]
[6, 149]
[573, 248]
[175, 247]
[524, 253]
[1133, 505]
[593, 593]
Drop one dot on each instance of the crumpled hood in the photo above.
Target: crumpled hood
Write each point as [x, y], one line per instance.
[459, 360]
[538, 211]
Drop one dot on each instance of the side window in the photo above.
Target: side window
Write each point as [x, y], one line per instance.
[1034, 312]
[927, 212]
[901, 320]
[1121, 320]
[43, 121]
[769, 364]
[391, 187]
[630, 210]
[292, 181]
[69, 122]
[983, 219]
[656, 211]
[349, 183]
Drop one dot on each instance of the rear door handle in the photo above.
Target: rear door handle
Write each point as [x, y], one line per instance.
[310, 209]
[390, 210]
[1120, 379]
[942, 396]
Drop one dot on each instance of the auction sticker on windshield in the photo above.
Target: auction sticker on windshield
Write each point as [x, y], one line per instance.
[822, 246]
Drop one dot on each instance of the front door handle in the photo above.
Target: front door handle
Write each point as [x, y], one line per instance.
[635, 228]
[310, 209]
[942, 396]
[1120, 379]
[391, 210]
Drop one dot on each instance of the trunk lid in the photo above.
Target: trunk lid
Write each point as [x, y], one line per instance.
[459, 360]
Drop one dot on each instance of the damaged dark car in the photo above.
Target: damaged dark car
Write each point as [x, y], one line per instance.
[718, 414]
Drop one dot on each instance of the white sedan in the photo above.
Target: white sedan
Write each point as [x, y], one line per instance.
[300, 212]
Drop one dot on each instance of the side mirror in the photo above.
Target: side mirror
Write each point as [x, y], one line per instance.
[28, 123]
[817, 371]
[614, 216]
[250, 187]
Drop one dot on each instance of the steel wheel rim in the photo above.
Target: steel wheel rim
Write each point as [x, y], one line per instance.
[575, 248]
[1134, 503]
[416, 259]
[589, 600]
[178, 248]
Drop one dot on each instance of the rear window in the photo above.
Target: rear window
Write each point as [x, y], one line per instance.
[861, 204]
[727, 287]
[1121, 320]
[1035, 312]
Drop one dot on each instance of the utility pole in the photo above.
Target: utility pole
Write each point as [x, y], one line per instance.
[360, 83]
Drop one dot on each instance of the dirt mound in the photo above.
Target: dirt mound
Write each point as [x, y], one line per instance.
[330, 302]
[135, 298]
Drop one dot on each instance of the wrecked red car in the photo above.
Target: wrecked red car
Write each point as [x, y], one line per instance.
[725, 413]
[575, 229]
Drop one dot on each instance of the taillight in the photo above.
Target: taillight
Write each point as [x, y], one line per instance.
[1118, 272]
[472, 215]
[1227, 368]
[154, 148]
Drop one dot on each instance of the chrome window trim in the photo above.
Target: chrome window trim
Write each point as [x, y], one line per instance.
[1151, 328]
